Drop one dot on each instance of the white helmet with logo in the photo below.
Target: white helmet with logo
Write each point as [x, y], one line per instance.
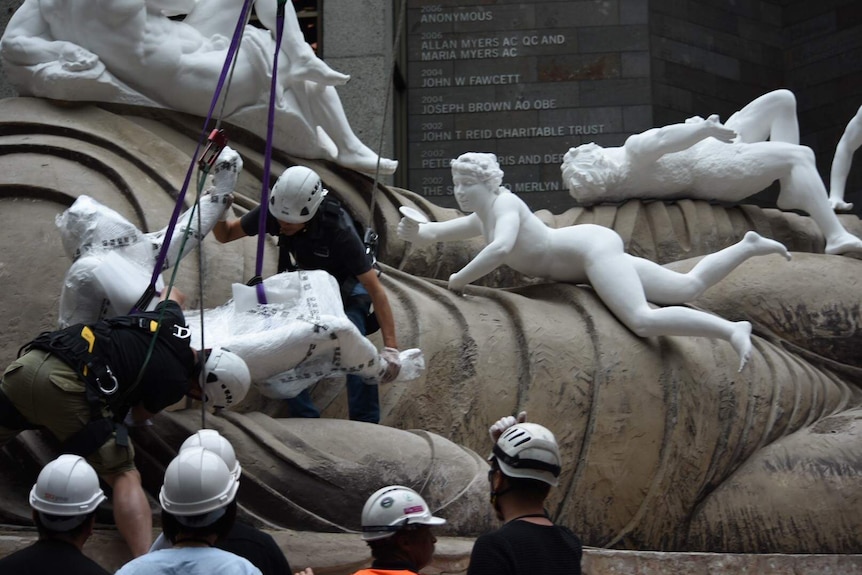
[214, 441]
[67, 490]
[296, 195]
[392, 508]
[528, 451]
[198, 487]
[227, 379]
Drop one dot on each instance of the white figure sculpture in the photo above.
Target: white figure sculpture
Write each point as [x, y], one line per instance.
[129, 51]
[584, 253]
[113, 261]
[703, 159]
[850, 141]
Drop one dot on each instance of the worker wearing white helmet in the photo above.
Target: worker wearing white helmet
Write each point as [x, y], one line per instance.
[316, 233]
[396, 524]
[88, 382]
[198, 501]
[525, 465]
[64, 501]
[243, 539]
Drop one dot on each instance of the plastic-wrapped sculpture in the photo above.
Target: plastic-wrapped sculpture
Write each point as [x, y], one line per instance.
[131, 52]
[703, 159]
[584, 254]
[300, 335]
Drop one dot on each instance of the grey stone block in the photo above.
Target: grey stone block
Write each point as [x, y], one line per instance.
[635, 64]
[613, 39]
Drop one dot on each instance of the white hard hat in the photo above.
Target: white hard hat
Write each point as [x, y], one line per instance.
[68, 490]
[392, 508]
[214, 441]
[198, 487]
[528, 451]
[296, 195]
[227, 378]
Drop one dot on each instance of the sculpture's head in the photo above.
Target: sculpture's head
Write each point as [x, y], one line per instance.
[473, 171]
[586, 172]
[88, 225]
[481, 166]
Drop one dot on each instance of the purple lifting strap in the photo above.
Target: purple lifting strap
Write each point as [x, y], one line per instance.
[237, 34]
[264, 192]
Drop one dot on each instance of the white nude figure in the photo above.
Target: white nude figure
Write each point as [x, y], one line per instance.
[584, 253]
[63, 48]
[841, 162]
[707, 160]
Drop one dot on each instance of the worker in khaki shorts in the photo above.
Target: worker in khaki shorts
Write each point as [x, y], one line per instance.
[85, 383]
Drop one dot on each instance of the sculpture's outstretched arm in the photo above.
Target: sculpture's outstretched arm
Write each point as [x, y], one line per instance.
[649, 146]
[448, 231]
[212, 206]
[847, 146]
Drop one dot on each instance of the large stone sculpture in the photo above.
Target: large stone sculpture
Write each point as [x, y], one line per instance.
[670, 447]
[131, 52]
[584, 253]
[703, 159]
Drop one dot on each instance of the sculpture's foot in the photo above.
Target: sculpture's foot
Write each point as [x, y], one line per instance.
[740, 339]
[839, 205]
[367, 163]
[846, 242]
[761, 246]
[313, 69]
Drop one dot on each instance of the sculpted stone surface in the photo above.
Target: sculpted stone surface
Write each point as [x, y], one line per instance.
[703, 159]
[131, 52]
[666, 446]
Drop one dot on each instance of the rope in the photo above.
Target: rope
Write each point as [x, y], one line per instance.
[150, 291]
[395, 45]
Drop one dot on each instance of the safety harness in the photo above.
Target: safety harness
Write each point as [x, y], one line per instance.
[82, 348]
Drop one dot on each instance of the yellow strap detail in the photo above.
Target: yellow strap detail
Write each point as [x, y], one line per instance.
[90, 337]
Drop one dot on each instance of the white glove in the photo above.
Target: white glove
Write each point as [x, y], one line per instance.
[393, 364]
[227, 167]
[504, 423]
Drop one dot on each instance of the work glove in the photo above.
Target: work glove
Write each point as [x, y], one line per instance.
[392, 357]
[504, 423]
[227, 168]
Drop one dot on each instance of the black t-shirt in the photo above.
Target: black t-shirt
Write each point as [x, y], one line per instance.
[165, 379]
[256, 546]
[50, 557]
[524, 548]
[328, 242]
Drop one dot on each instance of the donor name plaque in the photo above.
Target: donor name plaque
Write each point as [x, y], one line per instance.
[505, 77]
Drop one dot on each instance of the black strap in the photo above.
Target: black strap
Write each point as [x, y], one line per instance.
[524, 463]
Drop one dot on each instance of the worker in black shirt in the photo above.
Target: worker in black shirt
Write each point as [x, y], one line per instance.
[525, 464]
[64, 501]
[316, 233]
[85, 383]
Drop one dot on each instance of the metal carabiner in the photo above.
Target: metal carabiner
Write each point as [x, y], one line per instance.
[113, 389]
[217, 142]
